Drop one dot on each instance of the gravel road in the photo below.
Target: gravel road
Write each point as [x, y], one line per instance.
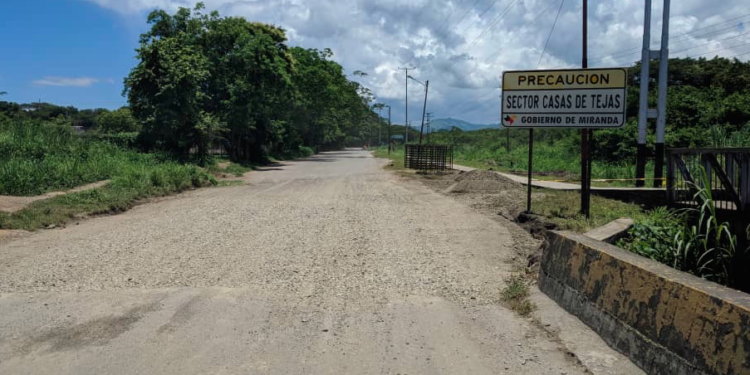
[324, 265]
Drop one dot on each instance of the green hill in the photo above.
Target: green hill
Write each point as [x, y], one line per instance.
[450, 123]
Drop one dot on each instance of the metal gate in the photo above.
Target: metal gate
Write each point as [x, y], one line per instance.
[428, 157]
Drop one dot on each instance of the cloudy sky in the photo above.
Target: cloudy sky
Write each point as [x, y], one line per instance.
[460, 46]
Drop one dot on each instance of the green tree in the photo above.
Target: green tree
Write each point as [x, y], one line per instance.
[204, 78]
[119, 121]
[166, 90]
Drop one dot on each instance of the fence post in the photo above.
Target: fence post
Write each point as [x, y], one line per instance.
[670, 178]
[745, 181]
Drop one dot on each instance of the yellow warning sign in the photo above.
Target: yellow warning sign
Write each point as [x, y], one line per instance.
[580, 98]
[565, 79]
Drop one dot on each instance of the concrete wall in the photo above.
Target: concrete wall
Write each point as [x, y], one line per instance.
[666, 321]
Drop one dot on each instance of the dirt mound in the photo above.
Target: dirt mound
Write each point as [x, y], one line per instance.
[479, 175]
[481, 181]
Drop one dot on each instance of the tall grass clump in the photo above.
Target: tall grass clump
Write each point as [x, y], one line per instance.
[694, 240]
[38, 157]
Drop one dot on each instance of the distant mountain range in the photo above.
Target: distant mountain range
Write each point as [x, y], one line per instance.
[450, 123]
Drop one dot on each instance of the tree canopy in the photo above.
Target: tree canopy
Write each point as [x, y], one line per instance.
[202, 79]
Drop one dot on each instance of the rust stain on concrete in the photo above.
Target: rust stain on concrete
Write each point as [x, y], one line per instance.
[703, 323]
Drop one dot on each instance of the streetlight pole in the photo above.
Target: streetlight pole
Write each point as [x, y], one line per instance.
[380, 124]
[389, 129]
[406, 102]
[424, 108]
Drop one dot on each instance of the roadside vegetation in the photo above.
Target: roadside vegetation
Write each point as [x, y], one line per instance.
[516, 295]
[564, 209]
[38, 157]
[695, 240]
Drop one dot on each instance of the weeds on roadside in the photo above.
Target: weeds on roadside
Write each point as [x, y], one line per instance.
[693, 240]
[36, 157]
[516, 294]
[706, 246]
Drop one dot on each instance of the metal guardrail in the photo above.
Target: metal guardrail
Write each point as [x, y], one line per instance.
[428, 157]
[728, 172]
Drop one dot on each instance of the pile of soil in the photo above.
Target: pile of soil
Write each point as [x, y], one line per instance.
[483, 182]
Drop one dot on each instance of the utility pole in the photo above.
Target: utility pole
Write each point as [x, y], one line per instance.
[429, 122]
[660, 113]
[424, 109]
[640, 164]
[426, 86]
[380, 128]
[380, 125]
[390, 146]
[406, 101]
[585, 157]
[661, 121]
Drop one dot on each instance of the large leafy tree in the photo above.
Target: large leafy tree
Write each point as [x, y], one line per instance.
[118, 121]
[250, 85]
[202, 78]
[166, 90]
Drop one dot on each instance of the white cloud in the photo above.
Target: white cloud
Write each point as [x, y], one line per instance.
[66, 82]
[464, 57]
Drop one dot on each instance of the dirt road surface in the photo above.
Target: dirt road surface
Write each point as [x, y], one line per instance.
[329, 265]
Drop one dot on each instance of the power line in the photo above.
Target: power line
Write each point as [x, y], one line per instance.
[741, 54]
[721, 49]
[514, 38]
[709, 43]
[492, 25]
[636, 50]
[494, 54]
[488, 8]
[500, 17]
[626, 53]
[445, 34]
[481, 15]
[550, 34]
[444, 27]
[673, 38]
[620, 56]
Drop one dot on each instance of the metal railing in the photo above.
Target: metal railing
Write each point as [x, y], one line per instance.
[428, 157]
[727, 171]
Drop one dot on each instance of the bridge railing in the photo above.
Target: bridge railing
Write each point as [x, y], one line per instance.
[728, 172]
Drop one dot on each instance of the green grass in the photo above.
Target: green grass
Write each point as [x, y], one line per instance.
[120, 194]
[563, 208]
[556, 154]
[40, 157]
[221, 166]
[396, 155]
[516, 294]
[551, 162]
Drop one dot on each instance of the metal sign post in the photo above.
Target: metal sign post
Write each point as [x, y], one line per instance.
[531, 168]
[586, 134]
[575, 98]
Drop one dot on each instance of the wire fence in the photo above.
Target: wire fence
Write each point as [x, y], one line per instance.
[428, 157]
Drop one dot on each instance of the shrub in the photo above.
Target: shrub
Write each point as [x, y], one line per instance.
[693, 240]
